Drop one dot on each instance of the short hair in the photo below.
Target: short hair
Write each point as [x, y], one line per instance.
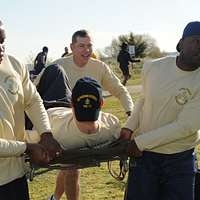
[45, 49]
[80, 33]
[1, 23]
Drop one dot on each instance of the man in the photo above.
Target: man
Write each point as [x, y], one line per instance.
[83, 125]
[124, 58]
[65, 53]
[165, 125]
[81, 64]
[17, 94]
[40, 60]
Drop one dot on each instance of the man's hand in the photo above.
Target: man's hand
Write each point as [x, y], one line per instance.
[133, 150]
[51, 145]
[37, 153]
[126, 133]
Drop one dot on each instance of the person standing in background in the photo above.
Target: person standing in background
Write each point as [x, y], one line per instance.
[40, 60]
[65, 53]
[124, 58]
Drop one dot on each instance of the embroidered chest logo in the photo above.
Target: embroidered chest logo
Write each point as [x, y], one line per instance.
[11, 84]
[183, 96]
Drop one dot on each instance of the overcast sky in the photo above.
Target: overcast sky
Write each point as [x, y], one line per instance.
[30, 25]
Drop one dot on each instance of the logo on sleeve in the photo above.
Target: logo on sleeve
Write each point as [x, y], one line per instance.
[11, 84]
[183, 96]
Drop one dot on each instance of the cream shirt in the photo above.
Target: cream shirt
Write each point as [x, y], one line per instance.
[166, 117]
[100, 72]
[17, 94]
[66, 132]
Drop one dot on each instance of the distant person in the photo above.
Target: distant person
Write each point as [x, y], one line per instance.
[18, 94]
[40, 60]
[124, 58]
[81, 64]
[165, 124]
[65, 53]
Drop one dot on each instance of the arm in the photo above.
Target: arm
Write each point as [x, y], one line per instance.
[11, 148]
[35, 61]
[185, 125]
[132, 123]
[111, 83]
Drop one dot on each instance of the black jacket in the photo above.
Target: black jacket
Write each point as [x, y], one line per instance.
[124, 58]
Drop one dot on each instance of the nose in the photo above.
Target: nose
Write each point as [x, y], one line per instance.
[87, 49]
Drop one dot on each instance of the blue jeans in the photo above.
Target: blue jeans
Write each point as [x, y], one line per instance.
[156, 176]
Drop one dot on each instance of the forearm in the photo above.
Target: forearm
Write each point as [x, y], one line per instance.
[133, 121]
[163, 135]
[9, 148]
[126, 100]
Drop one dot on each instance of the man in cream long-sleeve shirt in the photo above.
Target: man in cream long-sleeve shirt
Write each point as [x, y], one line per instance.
[18, 94]
[165, 124]
[80, 64]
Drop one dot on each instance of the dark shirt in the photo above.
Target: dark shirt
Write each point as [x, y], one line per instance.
[124, 58]
[40, 62]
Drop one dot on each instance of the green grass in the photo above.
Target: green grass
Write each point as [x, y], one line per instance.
[96, 184]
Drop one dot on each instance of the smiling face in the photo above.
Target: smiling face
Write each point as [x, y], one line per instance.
[2, 40]
[190, 52]
[82, 50]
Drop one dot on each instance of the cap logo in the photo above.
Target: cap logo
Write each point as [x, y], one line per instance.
[87, 104]
[87, 96]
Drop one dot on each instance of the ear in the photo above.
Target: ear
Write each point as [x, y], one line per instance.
[101, 103]
[71, 47]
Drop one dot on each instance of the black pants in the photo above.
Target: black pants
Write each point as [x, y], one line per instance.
[15, 190]
[125, 71]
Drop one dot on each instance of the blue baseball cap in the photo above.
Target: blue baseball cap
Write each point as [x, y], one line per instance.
[87, 99]
[191, 29]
